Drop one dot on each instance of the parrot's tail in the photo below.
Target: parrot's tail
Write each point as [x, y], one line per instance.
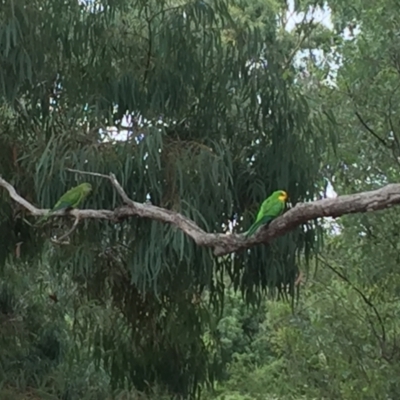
[263, 221]
[45, 217]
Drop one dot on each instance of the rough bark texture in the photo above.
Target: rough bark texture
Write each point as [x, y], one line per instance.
[223, 244]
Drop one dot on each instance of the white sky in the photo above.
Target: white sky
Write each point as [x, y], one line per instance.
[321, 15]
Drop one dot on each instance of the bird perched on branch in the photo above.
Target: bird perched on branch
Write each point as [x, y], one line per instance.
[70, 199]
[271, 208]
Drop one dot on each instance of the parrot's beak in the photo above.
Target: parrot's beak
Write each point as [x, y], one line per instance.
[286, 199]
[284, 196]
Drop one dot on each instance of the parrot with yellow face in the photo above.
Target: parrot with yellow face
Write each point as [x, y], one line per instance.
[272, 207]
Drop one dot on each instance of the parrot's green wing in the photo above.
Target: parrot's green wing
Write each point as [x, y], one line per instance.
[70, 199]
[271, 208]
[253, 228]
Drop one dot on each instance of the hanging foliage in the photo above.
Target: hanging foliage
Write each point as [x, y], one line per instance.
[218, 123]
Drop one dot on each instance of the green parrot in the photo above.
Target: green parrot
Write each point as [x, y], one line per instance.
[70, 199]
[271, 208]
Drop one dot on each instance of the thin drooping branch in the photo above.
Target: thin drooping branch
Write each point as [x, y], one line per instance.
[366, 300]
[221, 243]
[61, 239]
[370, 130]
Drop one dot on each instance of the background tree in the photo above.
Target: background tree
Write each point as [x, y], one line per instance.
[342, 339]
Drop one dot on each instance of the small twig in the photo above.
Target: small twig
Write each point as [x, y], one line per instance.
[299, 279]
[68, 233]
[396, 139]
[121, 191]
[301, 40]
[88, 173]
[370, 130]
[18, 250]
[150, 41]
[112, 178]
[362, 295]
[361, 120]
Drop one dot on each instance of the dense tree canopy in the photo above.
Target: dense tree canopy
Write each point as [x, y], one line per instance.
[218, 123]
[219, 105]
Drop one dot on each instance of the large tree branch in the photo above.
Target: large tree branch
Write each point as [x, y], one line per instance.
[223, 244]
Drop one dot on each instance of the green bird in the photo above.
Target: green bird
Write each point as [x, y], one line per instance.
[271, 208]
[70, 199]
